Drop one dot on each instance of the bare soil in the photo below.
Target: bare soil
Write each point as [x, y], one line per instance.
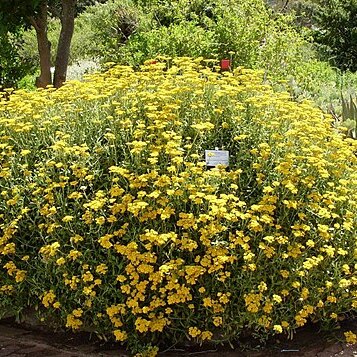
[19, 340]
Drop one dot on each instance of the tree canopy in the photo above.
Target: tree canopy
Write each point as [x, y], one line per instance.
[16, 14]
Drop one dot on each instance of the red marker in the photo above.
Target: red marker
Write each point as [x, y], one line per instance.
[225, 64]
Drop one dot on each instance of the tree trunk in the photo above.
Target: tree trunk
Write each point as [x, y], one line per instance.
[64, 43]
[44, 46]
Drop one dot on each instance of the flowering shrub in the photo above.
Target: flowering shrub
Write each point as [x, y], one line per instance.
[110, 220]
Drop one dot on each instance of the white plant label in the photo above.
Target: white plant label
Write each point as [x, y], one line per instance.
[217, 157]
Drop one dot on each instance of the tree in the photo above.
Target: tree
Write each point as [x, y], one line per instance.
[336, 22]
[15, 14]
[64, 43]
[334, 25]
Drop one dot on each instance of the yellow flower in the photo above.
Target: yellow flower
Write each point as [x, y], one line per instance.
[50, 250]
[101, 269]
[120, 335]
[105, 241]
[25, 152]
[77, 312]
[278, 328]
[87, 276]
[142, 325]
[277, 298]
[121, 278]
[296, 284]
[74, 254]
[20, 276]
[48, 298]
[217, 321]
[350, 337]
[284, 273]
[262, 286]
[73, 322]
[61, 261]
[194, 331]
[203, 126]
[206, 335]
[8, 249]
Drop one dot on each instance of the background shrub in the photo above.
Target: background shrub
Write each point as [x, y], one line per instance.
[13, 64]
[112, 24]
[245, 31]
[322, 83]
[182, 39]
[166, 12]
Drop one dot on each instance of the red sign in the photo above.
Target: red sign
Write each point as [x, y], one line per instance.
[225, 64]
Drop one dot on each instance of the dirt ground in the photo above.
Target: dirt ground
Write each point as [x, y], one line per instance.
[19, 341]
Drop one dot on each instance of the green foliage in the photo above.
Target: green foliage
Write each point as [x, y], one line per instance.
[260, 40]
[166, 12]
[337, 32]
[245, 30]
[183, 39]
[16, 13]
[103, 29]
[82, 5]
[13, 65]
[29, 49]
[242, 29]
[27, 82]
[318, 81]
[84, 43]
[348, 117]
[81, 45]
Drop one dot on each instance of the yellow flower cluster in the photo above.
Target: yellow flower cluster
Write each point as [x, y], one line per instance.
[351, 337]
[110, 219]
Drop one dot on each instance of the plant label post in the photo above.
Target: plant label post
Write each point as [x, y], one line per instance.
[216, 157]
